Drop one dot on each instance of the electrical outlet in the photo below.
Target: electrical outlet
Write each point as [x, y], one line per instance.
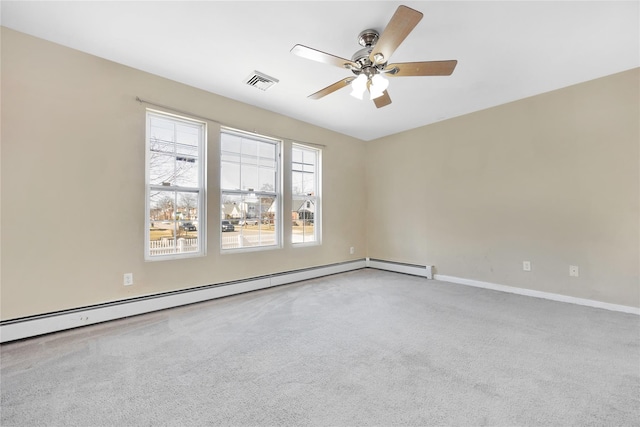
[574, 271]
[526, 265]
[352, 250]
[128, 279]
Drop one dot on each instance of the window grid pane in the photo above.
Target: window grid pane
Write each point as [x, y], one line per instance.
[303, 225]
[304, 190]
[175, 186]
[249, 191]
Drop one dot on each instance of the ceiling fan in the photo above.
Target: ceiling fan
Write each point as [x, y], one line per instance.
[369, 64]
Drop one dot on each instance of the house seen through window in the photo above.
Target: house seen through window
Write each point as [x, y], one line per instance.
[249, 190]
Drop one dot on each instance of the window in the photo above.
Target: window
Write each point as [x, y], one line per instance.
[175, 186]
[305, 186]
[250, 190]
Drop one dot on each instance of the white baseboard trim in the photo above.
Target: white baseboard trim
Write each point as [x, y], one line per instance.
[415, 270]
[538, 294]
[43, 324]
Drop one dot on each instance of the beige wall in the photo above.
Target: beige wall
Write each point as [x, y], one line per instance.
[73, 156]
[552, 179]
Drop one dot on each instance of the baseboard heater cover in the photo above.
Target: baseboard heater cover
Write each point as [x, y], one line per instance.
[399, 267]
[539, 294]
[32, 326]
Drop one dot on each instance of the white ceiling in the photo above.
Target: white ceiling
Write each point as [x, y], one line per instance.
[505, 50]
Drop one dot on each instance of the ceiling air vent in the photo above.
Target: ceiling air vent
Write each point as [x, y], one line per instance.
[260, 80]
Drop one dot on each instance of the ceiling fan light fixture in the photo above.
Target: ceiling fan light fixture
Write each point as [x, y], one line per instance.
[359, 86]
[378, 85]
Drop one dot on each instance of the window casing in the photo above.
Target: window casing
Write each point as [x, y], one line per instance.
[175, 186]
[305, 194]
[249, 191]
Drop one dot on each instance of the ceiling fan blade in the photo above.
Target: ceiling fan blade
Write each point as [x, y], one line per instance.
[427, 68]
[326, 58]
[331, 88]
[402, 23]
[383, 100]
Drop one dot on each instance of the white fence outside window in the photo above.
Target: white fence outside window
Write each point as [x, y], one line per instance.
[171, 246]
[246, 241]
[182, 245]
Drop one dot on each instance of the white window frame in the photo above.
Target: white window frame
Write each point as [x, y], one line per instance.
[252, 192]
[199, 191]
[313, 198]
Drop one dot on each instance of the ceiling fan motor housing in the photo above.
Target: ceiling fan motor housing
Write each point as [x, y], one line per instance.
[367, 39]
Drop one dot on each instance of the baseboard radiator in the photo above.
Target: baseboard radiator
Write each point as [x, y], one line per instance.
[11, 330]
[400, 267]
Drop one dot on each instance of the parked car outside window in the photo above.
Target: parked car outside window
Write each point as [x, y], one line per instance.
[227, 226]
